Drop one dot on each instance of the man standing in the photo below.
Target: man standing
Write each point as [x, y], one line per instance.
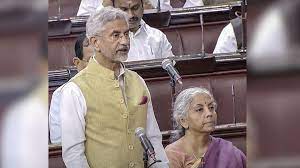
[83, 53]
[104, 103]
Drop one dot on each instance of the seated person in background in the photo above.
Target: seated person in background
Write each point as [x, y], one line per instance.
[230, 39]
[83, 52]
[87, 7]
[145, 42]
[195, 114]
[191, 3]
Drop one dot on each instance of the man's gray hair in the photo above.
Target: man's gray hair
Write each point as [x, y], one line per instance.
[183, 101]
[100, 18]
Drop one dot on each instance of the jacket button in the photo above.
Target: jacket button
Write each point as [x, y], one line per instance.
[124, 115]
[130, 147]
[131, 164]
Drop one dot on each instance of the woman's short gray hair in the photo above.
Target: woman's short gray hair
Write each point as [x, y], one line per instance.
[100, 18]
[183, 102]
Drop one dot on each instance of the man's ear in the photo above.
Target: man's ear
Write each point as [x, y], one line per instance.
[184, 123]
[95, 43]
[76, 61]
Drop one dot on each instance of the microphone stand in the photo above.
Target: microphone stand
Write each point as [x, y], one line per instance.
[158, 6]
[233, 103]
[145, 159]
[59, 10]
[173, 92]
[173, 86]
[202, 36]
[244, 27]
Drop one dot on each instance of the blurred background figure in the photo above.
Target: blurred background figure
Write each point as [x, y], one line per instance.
[24, 84]
[230, 39]
[87, 7]
[273, 86]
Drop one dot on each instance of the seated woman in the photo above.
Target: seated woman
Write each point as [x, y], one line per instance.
[195, 114]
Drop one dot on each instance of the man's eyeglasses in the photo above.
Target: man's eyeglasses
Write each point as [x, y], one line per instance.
[117, 36]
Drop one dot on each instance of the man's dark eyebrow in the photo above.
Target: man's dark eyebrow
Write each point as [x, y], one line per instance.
[115, 31]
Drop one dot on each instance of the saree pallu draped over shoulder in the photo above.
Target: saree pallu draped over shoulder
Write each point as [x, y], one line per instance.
[222, 154]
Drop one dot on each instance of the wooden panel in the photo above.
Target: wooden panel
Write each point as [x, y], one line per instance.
[61, 52]
[68, 8]
[56, 162]
[219, 84]
[185, 40]
[183, 32]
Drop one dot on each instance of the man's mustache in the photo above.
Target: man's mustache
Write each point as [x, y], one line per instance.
[123, 49]
[133, 19]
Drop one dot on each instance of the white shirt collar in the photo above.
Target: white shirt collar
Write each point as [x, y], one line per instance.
[140, 30]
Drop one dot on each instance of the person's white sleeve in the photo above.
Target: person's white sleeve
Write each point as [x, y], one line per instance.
[87, 7]
[226, 42]
[164, 4]
[166, 47]
[54, 117]
[193, 3]
[73, 109]
[155, 137]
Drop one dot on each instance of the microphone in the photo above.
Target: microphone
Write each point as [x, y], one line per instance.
[168, 66]
[158, 6]
[148, 148]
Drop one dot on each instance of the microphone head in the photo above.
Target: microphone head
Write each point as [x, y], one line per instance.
[139, 131]
[165, 63]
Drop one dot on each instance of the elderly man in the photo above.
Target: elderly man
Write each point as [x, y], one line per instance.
[103, 104]
[83, 53]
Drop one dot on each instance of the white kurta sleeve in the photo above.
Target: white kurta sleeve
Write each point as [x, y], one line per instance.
[193, 3]
[164, 4]
[54, 117]
[73, 110]
[166, 47]
[226, 41]
[87, 7]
